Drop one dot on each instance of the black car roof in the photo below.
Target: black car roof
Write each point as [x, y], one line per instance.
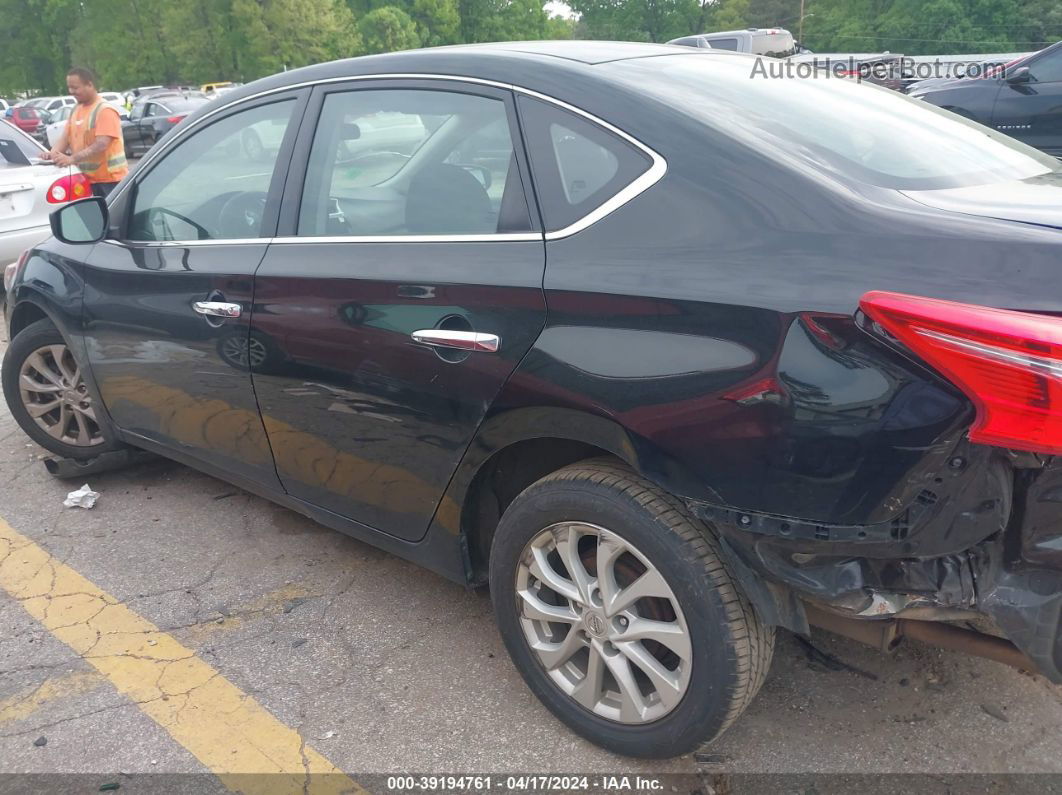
[524, 63]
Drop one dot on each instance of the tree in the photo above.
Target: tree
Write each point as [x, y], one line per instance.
[387, 29]
[636, 20]
[731, 15]
[437, 22]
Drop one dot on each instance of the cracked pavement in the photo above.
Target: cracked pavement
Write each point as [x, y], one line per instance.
[382, 667]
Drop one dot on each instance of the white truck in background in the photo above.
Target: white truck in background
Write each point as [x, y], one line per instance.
[774, 42]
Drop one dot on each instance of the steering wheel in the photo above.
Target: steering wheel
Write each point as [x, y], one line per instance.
[241, 216]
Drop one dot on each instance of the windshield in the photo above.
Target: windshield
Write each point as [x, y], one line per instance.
[856, 131]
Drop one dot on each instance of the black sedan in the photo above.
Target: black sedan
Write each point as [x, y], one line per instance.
[666, 355]
[151, 118]
[1024, 100]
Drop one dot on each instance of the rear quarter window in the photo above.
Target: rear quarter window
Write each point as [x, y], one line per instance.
[577, 164]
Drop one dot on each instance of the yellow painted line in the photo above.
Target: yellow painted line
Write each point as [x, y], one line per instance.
[51, 689]
[223, 727]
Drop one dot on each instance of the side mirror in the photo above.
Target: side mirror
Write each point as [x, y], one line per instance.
[1019, 75]
[83, 221]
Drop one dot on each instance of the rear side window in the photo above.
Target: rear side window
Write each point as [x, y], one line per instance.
[724, 44]
[577, 165]
[407, 162]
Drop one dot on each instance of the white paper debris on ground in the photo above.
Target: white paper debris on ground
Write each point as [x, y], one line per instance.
[327, 735]
[82, 498]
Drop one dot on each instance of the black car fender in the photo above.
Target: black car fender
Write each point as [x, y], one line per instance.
[50, 285]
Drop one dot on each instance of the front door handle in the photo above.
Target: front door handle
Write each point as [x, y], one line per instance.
[460, 340]
[216, 308]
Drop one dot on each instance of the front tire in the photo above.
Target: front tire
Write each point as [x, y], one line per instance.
[48, 396]
[618, 610]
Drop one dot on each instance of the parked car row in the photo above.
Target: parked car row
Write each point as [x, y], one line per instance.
[153, 116]
[1023, 99]
[40, 115]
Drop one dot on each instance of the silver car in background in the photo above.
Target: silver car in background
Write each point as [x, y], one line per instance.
[29, 190]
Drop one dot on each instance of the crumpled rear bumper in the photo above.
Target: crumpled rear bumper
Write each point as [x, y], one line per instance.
[1013, 574]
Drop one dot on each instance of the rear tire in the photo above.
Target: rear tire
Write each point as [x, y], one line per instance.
[49, 398]
[728, 649]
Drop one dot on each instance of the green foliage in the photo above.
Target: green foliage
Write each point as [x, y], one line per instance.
[635, 20]
[387, 29]
[437, 22]
[141, 42]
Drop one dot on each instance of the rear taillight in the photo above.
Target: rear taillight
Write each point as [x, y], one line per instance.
[69, 188]
[175, 119]
[1008, 363]
[11, 271]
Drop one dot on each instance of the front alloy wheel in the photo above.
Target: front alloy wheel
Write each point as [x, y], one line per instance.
[46, 391]
[604, 623]
[56, 397]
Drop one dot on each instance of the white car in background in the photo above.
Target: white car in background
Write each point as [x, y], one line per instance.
[52, 104]
[56, 124]
[29, 190]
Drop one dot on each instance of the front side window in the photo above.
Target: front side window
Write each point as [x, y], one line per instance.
[577, 165]
[214, 184]
[394, 162]
[1047, 69]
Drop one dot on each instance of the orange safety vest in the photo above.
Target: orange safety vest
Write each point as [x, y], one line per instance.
[111, 166]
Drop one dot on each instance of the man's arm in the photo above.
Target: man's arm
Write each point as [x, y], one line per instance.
[97, 147]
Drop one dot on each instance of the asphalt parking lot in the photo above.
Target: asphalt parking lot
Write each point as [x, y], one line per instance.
[135, 635]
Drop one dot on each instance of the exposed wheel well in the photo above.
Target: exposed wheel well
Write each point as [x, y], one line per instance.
[507, 473]
[25, 314]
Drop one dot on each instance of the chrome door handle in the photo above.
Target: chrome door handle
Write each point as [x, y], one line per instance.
[461, 340]
[216, 308]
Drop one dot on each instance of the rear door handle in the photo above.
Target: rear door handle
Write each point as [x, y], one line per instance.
[216, 308]
[460, 340]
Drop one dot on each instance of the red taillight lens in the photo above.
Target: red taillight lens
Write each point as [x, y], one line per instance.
[175, 119]
[1008, 363]
[69, 188]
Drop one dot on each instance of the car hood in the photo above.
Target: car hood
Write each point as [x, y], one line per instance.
[1037, 200]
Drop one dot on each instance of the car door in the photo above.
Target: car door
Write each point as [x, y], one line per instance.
[403, 289]
[57, 125]
[1032, 111]
[131, 128]
[168, 294]
[146, 125]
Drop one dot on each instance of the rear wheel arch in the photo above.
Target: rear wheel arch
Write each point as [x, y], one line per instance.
[25, 314]
[515, 448]
[501, 478]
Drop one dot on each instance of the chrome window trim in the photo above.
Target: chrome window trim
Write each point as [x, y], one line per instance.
[650, 177]
[184, 243]
[503, 237]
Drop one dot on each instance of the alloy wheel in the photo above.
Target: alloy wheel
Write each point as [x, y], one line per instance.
[603, 622]
[56, 398]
